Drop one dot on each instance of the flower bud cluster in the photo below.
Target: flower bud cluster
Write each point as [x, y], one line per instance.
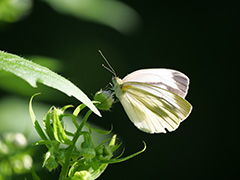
[104, 152]
[94, 159]
[56, 156]
[79, 162]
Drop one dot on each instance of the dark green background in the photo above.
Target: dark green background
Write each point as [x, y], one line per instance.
[196, 38]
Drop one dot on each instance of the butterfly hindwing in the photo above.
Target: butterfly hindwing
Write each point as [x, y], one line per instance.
[151, 108]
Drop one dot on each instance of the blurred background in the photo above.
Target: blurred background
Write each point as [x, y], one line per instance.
[194, 37]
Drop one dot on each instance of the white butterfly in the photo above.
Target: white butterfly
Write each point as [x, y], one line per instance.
[154, 98]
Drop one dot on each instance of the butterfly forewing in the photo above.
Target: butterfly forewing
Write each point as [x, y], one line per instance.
[171, 80]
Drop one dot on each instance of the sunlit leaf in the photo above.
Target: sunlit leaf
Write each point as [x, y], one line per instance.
[13, 84]
[34, 73]
[78, 109]
[11, 11]
[108, 12]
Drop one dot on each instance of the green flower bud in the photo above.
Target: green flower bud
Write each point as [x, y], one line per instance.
[75, 154]
[99, 150]
[61, 156]
[105, 98]
[82, 175]
[85, 144]
[87, 140]
[88, 153]
[51, 164]
[104, 152]
[104, 158]
[50, 161]
[107, 150]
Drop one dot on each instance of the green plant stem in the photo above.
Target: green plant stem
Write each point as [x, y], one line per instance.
[69, 151]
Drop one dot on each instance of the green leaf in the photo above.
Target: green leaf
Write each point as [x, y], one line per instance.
[64, 108]
[99, 171]
[47, 124]
[78, 109]
[114, 14]
[34, 73]
[11, 11]
[44, 142]
[115, 147]
[76, 112]
[34, 175]
[34, 119]
[117, 160]
[99, 131]
[58, 130]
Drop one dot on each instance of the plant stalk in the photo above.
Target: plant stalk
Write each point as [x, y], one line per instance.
[69, 151]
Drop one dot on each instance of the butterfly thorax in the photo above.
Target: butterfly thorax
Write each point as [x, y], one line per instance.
[117, 86]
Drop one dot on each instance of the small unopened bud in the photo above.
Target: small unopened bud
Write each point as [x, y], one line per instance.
[105, 98]
[61, 156]
[88, 153]
[50, 161]
[82, 175]
[104, 152]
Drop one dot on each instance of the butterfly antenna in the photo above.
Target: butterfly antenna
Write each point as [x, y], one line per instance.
[109, 68]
